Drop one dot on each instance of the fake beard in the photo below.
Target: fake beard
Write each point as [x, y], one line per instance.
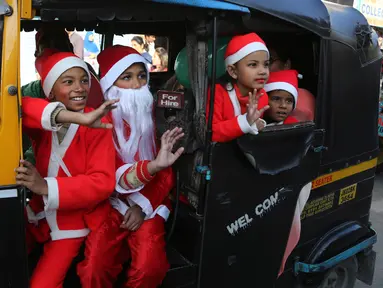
[135, 107]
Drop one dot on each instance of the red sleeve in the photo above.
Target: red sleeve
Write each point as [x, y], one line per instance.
[225, 130]
[97, 184]
[155, 192]
[37, 113]
[290, 120]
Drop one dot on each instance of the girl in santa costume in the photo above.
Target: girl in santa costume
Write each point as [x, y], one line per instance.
[144, 179]
[282, 89]
[74, 173]
[240, 101]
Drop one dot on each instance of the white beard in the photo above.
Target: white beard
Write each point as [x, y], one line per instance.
[135, 107]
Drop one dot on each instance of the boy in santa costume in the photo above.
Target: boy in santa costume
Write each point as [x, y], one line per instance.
[240, 100]
[282, 89]
[144, 179]
[74, 173]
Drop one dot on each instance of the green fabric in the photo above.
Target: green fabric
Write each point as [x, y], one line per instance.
[34, 90]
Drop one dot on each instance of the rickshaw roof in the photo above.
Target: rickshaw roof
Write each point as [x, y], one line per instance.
[311, 15]
[321, 17]
[210, 4]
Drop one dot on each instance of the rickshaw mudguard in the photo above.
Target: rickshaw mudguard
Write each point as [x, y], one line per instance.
[248, 215]
[339, 244]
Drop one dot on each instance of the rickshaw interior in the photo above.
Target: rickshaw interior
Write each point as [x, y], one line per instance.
[189, 26]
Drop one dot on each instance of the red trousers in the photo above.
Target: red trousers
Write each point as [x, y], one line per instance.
[113, 246]
[57, 256]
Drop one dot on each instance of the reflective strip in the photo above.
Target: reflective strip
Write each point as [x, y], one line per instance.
[8, 193]
[344, 173]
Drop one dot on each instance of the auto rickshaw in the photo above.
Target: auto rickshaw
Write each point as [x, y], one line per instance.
[232, 229]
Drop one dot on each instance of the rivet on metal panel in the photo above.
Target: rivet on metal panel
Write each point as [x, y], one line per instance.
[8, 11]
[12, 90]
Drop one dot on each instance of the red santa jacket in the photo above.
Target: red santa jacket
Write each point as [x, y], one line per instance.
[229, 118]
[151, 193]
[79, 172]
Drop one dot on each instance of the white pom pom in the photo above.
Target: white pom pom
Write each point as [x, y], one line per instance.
[300, 76]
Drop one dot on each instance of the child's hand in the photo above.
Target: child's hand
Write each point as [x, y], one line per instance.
[253, 114]
[28, 176]
[93, 119]
[133, 218]
[260, 124]
[166, 157]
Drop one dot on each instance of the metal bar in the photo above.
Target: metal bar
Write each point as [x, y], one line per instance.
[203, 197]
[209, 131]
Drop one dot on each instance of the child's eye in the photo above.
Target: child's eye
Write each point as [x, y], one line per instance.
[68, 82]
[267, 64]
[142, 76]
[253, 64]
[126, 78]
[275, 98]
[85, 81]
[289, 101]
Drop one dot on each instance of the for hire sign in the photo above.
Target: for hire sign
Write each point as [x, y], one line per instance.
[170, 99]
[260, 210]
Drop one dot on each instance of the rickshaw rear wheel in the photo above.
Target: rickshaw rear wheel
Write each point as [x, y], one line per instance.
[341, 276]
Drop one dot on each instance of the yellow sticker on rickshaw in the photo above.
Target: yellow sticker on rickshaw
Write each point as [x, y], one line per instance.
[347, 194]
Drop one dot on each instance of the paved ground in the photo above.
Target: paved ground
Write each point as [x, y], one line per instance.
[377, 221]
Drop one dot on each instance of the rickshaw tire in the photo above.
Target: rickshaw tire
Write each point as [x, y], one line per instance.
[344, 271]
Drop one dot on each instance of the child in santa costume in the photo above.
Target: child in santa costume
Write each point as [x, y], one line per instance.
[144, 179]
[240, 101]
[282, 89]
[74, 173]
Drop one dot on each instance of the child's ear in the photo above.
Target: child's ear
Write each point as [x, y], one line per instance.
[231, 69]
[51, 96]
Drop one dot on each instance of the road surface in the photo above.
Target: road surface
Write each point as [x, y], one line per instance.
[377, 222]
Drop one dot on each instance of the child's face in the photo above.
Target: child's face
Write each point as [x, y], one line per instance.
[252, 71]
[281, 104]
[72, 89]
[134, 77]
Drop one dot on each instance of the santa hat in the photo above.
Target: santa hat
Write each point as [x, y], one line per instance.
[51, 65]
[241, 46]
[286, 80]
[40, 60]
[114, 60]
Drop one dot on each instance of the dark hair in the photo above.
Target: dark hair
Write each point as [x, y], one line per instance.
[139, 40]
[283, 47]
[224, 80]
[53, 37]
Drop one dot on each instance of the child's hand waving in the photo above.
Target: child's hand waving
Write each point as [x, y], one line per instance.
[253, 114]
[166, 157]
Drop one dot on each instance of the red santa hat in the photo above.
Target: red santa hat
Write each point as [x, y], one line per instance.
[114, 60]
[51, 65]
[286, 80]
[242, 45]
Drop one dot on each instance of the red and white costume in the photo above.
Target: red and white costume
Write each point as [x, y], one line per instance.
[229, 117]
[145, 246]
[287, 80]
[78, 165]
